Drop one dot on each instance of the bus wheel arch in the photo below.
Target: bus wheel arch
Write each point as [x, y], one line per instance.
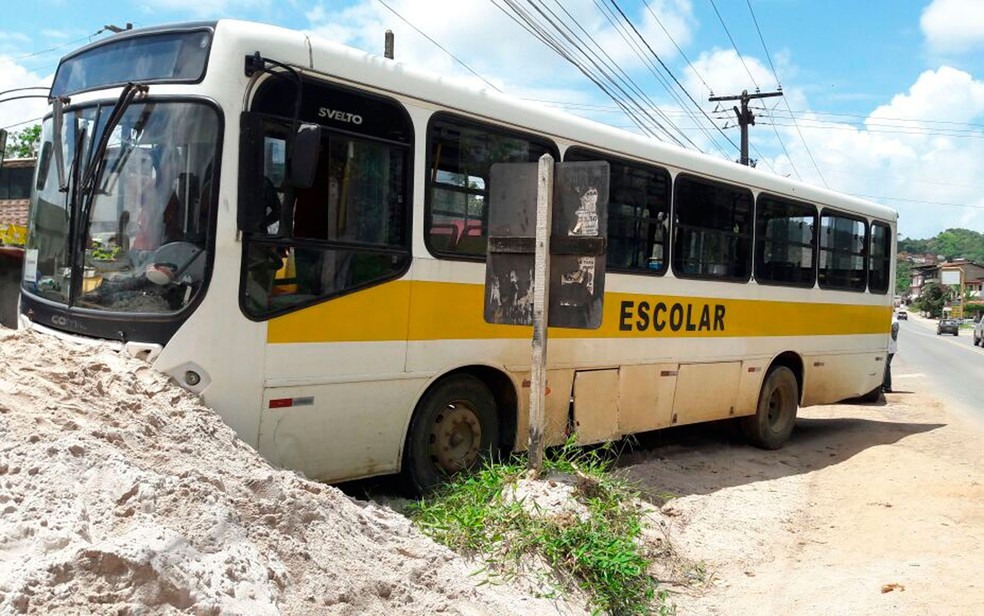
[775, 413]
[460, 420]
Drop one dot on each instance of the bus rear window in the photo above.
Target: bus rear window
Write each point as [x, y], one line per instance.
[880, 260]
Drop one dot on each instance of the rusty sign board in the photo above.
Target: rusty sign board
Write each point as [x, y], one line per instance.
[576, 246]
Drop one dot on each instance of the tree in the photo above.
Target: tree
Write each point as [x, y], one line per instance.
[951, 244]
[933, 298]
[24, 143]
[903, 277]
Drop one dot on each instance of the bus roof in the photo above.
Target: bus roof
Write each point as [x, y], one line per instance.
[396, 78]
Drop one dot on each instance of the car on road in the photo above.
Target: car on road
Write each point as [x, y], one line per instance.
[948, 326]
[902, 314]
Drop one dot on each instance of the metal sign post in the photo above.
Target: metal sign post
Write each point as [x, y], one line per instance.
[531, 219]
[541, 299]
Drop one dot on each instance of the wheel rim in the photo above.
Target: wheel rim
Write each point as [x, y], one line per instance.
[455, 437]
[777, 406]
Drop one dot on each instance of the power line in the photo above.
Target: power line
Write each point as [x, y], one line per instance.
[591, 66]
[943, 203]
[768, 56]
[625, 77]
[775, 73]
[634, 45]
[855, 115]
[672, 40]
[528, 24]
[439, 46]
[901, 130]
[740, 57]
[62, 46]
[22, 123]
[806, 146]
[900, 125]
[670, 73]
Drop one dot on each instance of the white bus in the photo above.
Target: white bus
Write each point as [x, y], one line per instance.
[298, 231]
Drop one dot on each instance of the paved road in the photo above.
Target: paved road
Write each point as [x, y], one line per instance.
[950, 367]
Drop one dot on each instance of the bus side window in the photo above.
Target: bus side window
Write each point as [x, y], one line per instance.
[879, 258]
[713, 234]
[785, 242]
[461, 154]
[842, 254]
[638, 208]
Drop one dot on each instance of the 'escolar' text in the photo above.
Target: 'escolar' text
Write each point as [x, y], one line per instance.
[658, 316]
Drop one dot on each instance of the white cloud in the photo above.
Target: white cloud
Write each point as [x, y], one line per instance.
[15, 112]
[953, 26]
[200, 9]
[490, 42]
[724, 71]
[856, 158]
[918, 149]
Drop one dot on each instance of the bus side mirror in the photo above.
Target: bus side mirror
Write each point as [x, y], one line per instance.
[304, 155]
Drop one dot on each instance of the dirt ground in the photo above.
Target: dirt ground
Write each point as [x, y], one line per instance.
[121, 493]
[870, 509]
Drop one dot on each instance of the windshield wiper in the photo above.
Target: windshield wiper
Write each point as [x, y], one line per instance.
[96, 157]
[85, 187]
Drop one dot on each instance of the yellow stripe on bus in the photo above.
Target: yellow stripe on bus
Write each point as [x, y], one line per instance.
[423, 311]
[372, 315]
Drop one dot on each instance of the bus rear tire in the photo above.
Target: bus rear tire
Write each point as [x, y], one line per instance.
[454, 428]
[775, 415]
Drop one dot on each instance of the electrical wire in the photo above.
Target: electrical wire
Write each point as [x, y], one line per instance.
[740, 57]
[562, 43]
[527, 23]
[672, 40]
[619, 22]
[439, 46]
[775, 73]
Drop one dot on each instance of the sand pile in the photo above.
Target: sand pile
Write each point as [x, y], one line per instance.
[121, 493]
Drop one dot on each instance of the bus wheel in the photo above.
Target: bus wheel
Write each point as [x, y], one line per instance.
[454, 426]
[772, 423]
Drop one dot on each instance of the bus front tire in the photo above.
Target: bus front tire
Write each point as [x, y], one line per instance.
[775, 415]
[453, 429]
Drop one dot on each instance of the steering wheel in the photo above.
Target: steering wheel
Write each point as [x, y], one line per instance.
[173, 260]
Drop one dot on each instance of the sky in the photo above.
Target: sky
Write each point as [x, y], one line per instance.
[882, 99]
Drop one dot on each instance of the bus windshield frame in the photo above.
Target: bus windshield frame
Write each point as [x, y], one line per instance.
[142, 249]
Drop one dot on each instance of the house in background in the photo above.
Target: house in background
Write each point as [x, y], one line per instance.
[16, 175]
[966, 278]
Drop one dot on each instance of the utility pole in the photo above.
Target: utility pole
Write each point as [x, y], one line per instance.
[745, 115]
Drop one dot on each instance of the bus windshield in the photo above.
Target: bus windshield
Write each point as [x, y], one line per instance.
[137, 243]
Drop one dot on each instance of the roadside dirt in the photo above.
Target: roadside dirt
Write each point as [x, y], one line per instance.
[870, 509]
[121, 493]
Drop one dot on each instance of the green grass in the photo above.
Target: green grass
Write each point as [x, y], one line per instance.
[600, 551]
